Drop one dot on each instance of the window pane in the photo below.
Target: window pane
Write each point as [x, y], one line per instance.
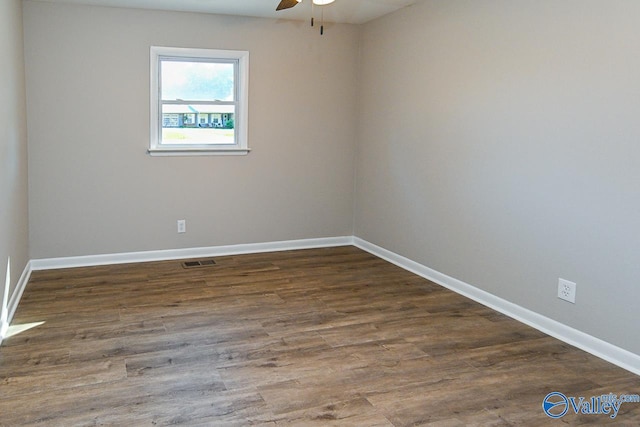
[198, 101]
[198, 124]
[197, 81]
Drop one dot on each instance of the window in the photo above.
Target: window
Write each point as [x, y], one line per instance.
[199, 101]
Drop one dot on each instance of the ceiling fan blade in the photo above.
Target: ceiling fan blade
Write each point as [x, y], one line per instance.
[286, 4]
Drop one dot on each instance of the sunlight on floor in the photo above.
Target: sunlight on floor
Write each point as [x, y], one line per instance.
[16, 329]
[7, 331]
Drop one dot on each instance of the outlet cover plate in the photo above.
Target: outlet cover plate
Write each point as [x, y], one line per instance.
[567, 290]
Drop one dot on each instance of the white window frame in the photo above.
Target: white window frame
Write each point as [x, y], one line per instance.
[241, 146]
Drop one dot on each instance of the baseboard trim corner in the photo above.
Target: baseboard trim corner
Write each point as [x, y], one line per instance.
[595, 346]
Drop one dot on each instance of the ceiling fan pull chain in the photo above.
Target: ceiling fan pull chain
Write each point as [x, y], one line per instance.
[312, 9]
[322, 21]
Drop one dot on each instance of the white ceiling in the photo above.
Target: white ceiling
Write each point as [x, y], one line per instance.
[344, 11]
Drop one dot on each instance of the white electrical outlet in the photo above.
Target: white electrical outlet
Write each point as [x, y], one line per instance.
[567, 290]
[182, 226]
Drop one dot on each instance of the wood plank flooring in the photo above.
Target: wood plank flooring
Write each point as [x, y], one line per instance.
[326, 337]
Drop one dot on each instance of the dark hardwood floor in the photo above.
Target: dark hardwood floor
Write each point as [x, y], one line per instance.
[313, 337]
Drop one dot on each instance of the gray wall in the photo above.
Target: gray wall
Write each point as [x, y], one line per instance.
[93, 188]
[499, 143]
[13, 145]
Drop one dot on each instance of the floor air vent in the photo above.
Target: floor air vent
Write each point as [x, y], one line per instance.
[201, 263]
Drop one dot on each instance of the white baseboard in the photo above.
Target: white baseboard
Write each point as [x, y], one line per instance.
[12, 306]
[169, 254]
[19, 290]
[602, 349]
[161, 255]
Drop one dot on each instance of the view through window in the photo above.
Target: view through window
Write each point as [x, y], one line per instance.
[198, 101]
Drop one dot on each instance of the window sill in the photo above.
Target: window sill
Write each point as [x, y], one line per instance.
[198, 151]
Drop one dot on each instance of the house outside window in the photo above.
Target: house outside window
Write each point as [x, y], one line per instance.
[188, 120]
[170, 120]
[199, 101]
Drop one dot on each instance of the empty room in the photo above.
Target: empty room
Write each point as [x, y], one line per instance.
[331, 213]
